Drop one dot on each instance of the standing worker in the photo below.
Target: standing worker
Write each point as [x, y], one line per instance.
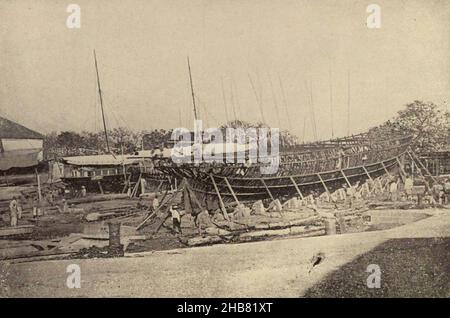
[155, 203]
[409, 184]
[393, 190]
[19, 207]
[13, 211]
[35, 207]
[83, 191]
[176, 218]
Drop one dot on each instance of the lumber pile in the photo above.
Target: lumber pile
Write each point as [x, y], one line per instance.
[108, 213]
[310, 226]
[99, 198]
[207, 240]
[16, 231]
[294, 230]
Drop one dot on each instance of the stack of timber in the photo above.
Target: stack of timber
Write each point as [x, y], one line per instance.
[245, 232]
[108, 213]
[21, 230]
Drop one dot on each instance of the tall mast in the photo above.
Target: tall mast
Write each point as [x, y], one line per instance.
[274, 100]
[232, 101]
[311, 105]
[192, 89]
[285, 103]
[224, 102]
[258, 101]
[348, 103]
[331, 104]
[101, 103]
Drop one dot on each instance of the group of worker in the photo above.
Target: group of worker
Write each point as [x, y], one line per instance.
[436, 193]
[16, 205]
[16, 208]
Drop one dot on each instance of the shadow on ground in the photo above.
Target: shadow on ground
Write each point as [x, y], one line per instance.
[417, 267]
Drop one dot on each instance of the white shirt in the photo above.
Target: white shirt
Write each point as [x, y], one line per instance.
[13, 205]
[409, 183]
[175, 214]
[155, 203]
[393, 187]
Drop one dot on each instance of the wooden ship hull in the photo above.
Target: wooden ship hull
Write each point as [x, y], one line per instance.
[118, 183]
[313, 169]
[97, 184]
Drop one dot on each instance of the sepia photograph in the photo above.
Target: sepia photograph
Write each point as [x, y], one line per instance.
[226, 149]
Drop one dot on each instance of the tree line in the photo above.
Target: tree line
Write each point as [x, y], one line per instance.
[425, 121]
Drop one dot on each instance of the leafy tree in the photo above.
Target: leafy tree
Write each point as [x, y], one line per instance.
[124, 137]
[50, 145]
[69, 140]
[429, 125]
[156, 138]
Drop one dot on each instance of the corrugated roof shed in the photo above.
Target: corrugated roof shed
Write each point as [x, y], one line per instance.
[12, 130]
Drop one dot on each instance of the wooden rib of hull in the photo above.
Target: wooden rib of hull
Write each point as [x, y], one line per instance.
[251, 189]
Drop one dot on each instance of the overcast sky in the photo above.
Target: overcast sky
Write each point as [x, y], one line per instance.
[48, 75]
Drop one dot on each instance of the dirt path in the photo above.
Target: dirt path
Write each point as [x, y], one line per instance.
[261, 269]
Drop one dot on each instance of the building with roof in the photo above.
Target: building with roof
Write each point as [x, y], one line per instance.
[437, 162]
[20, 146]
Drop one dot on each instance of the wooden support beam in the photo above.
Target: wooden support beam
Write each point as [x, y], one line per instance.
[420, 171]
[385, 169]
[192, 194]
[222, 205]
[324, 185]
[402, 172]
[136, 186]
[161, 205]
[38, 180]
[346, 179]
[421, 164]
[367, 172]
[231, 190]
[159, 186]
[296, 187]
[170, 182]
[127, 182]
[267, 189]
[100, 186]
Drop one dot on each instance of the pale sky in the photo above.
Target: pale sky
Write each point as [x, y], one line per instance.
[48, 75]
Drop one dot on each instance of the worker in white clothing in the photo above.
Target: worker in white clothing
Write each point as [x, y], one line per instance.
[393, 187]
[13, 211]
[155, 203]
[83, 191]
[19, 207]
[409, 184]
[176, 218]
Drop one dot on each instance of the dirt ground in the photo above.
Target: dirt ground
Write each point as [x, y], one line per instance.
[413, 260]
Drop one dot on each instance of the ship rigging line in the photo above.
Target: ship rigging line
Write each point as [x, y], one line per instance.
[101, 102]
[274, 101]
[224, 101]
[232, 101]
[192, 89]
[257, 99]
[285, 104]
[331, 104]
[311, 106]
